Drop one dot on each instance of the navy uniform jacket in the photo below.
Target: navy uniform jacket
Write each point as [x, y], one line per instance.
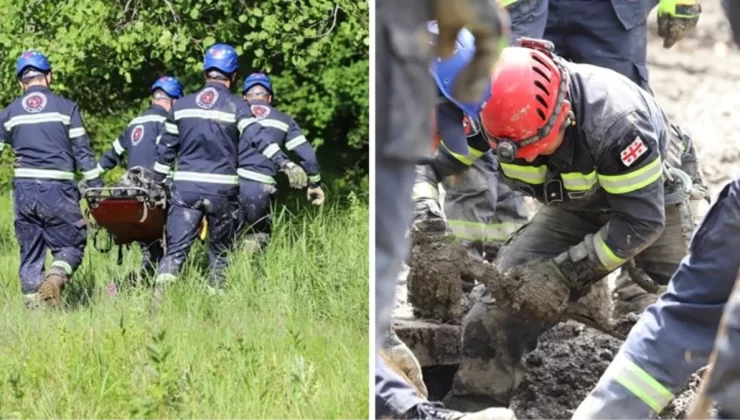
[48, 137]
[611, 161]
[139, 140]
[281, 130]
[203, 132]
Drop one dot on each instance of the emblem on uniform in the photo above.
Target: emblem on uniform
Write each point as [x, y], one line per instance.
[137, 134]
[632, 152]
[206, 98]
[471, 127]
[260, 111]
[35, 102]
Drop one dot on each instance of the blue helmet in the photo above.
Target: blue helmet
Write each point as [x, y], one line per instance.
[32, 59]
[169, 85]
[255, 79]
[221, 57]
[446, 72]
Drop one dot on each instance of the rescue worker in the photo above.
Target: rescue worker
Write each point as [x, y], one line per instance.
[402, 69]
[593, 148]
[675, 336]
[48, 137]
[480, 211]
[202, 134]
[139, 140]
[257, 184]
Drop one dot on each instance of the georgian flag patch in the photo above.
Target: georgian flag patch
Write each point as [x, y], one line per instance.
[632, 152]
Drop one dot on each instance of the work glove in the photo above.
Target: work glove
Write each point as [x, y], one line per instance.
[398, 355]
[490, 26]
[296, 175]
[85, 186]
[537, 289]
[675, 18]
[316, 195]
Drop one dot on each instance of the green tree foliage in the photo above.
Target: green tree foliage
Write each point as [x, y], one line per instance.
[106, 53]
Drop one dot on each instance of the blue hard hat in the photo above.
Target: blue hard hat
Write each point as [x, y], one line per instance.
[169, 85]
[255, 79]
[221, 57]
[446, 72]
[32, 59]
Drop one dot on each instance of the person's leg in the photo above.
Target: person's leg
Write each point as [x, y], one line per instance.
[674, 336]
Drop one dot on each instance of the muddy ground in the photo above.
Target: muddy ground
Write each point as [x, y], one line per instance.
[698, 84]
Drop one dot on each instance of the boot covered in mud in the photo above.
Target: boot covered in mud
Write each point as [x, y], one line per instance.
[435, 410]
[51, 289]
[594, 309]
[629, 297]
[32, 301]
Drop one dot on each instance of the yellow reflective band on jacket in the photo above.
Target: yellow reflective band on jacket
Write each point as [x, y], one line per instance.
[475, 231]
[506, 3]
[576, 181]
[640, 383]
[424, 190]
[529, 174]
[607, 257]
[632, 181]
[473, 155]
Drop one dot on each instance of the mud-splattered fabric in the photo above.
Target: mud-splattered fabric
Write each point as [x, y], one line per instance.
[184, 219]
[47, 218]
[256, 199]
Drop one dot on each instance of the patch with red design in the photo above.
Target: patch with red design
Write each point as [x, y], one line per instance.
[260, 111]
[206, 98]
[137, 134]
[634, 152]
[471, 127]
[35, 102]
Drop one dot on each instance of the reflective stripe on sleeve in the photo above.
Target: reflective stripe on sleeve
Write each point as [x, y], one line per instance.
[608, 258]
[271, 150]
[161, 168]
[118, 148]
[424, 190]
[295, 142]
[534, 175]
[274, 124]
[632, 181]
[76, 132]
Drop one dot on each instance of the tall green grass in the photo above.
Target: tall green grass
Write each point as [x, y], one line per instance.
[288, 340]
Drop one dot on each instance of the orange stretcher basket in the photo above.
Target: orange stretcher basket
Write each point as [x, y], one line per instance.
[128, 219]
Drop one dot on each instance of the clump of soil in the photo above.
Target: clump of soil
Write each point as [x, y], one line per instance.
[565, 367]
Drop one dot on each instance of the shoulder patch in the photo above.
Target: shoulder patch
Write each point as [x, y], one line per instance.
[471, 126]
[633, 152]
[260, 111]
[35, 102]
[137, 134]
[206, 98]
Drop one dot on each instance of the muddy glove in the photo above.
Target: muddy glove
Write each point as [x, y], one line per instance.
[490, 26]
[538, 290]
[296, 175]
[86, 190]
[316, 195]
[401, 357]
[675, 18]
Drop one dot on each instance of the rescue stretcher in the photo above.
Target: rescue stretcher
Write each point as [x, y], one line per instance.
[127, 215]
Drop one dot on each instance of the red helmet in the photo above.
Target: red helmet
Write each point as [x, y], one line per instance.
[527, 108]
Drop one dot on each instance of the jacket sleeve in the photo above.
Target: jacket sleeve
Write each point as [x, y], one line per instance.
[252, 134]
[83, 154]
[630, 169]
[451, 129]
[296, 142]
[112, 157]
[167, 148]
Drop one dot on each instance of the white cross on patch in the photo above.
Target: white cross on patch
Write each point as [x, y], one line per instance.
[630, 154]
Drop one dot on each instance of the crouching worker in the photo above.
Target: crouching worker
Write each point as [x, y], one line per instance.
[202, 133]
[257, 173]
[48, 137]
[615, 178]
[139, 141]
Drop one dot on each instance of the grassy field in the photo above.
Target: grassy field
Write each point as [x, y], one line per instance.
[288, 340]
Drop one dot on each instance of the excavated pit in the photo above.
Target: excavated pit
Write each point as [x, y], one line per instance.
[697, 82]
